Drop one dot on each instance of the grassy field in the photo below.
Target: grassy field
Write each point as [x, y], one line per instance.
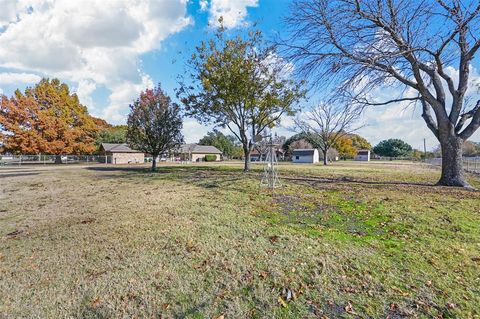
[353, 240]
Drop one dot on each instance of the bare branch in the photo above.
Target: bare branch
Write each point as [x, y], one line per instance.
[427, 116]
[473, 114]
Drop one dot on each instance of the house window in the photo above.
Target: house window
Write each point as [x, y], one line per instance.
[297, 157]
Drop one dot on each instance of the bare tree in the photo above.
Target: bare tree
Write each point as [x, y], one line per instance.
[325, 123]
[361, 45]
[299, 144]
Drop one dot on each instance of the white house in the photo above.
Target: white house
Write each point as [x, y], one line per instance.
[305, 155]
[363, 155]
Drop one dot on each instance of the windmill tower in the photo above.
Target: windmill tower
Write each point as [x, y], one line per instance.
[270, 171]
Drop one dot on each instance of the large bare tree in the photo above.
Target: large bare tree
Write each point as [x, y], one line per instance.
[425, 48]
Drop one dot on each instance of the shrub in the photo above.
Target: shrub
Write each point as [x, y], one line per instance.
[210, 158]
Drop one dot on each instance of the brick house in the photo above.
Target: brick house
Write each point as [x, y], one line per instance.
[120, 154]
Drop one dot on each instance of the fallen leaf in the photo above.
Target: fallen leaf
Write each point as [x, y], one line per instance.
[166, 306]
[88, 221]
[190, 246]
[220, 317]
[282, 302]
[96, 302]
[451, 306]
[349, 308]
[274, 239]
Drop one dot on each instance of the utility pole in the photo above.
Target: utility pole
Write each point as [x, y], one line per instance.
[424, 150]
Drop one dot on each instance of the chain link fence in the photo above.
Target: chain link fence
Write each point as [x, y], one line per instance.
[470, 164]
[7, 160]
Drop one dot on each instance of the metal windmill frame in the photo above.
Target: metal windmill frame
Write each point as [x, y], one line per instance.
[270, 171]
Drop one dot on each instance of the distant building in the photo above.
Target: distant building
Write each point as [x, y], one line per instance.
[196, 153]
[255, 155]
[120, 154]
[305, 156]
[363, 155]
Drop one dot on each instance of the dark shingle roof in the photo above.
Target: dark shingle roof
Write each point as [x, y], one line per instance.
[198, 149]
[303, 152]
[118, 148]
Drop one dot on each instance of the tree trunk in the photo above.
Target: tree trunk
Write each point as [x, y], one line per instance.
[325, 161]
[246, 153]
[452, 165]
[154, 163]
[58, 159]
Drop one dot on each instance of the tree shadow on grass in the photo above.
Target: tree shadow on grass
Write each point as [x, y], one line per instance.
[204, 176]
[118, 169]
[224, 176]
[327, 180]
[17, 174]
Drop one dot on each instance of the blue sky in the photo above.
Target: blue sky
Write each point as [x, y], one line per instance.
[108, 51]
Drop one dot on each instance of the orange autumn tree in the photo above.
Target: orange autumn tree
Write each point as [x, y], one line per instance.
[46, 119]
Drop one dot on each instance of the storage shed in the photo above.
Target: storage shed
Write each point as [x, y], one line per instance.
[120, 154]
[305, 155]
[363, 155]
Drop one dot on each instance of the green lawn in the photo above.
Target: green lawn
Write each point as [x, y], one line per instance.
[353, 240]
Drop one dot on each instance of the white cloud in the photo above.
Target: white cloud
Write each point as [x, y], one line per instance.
[233, 12]
[7, 12]
[84, 91]
[194, 131]
[90, 43]
[18, 78]
[121, 97]
[203, 5]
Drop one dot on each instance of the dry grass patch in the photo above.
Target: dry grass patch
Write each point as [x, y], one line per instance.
[351, 240]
